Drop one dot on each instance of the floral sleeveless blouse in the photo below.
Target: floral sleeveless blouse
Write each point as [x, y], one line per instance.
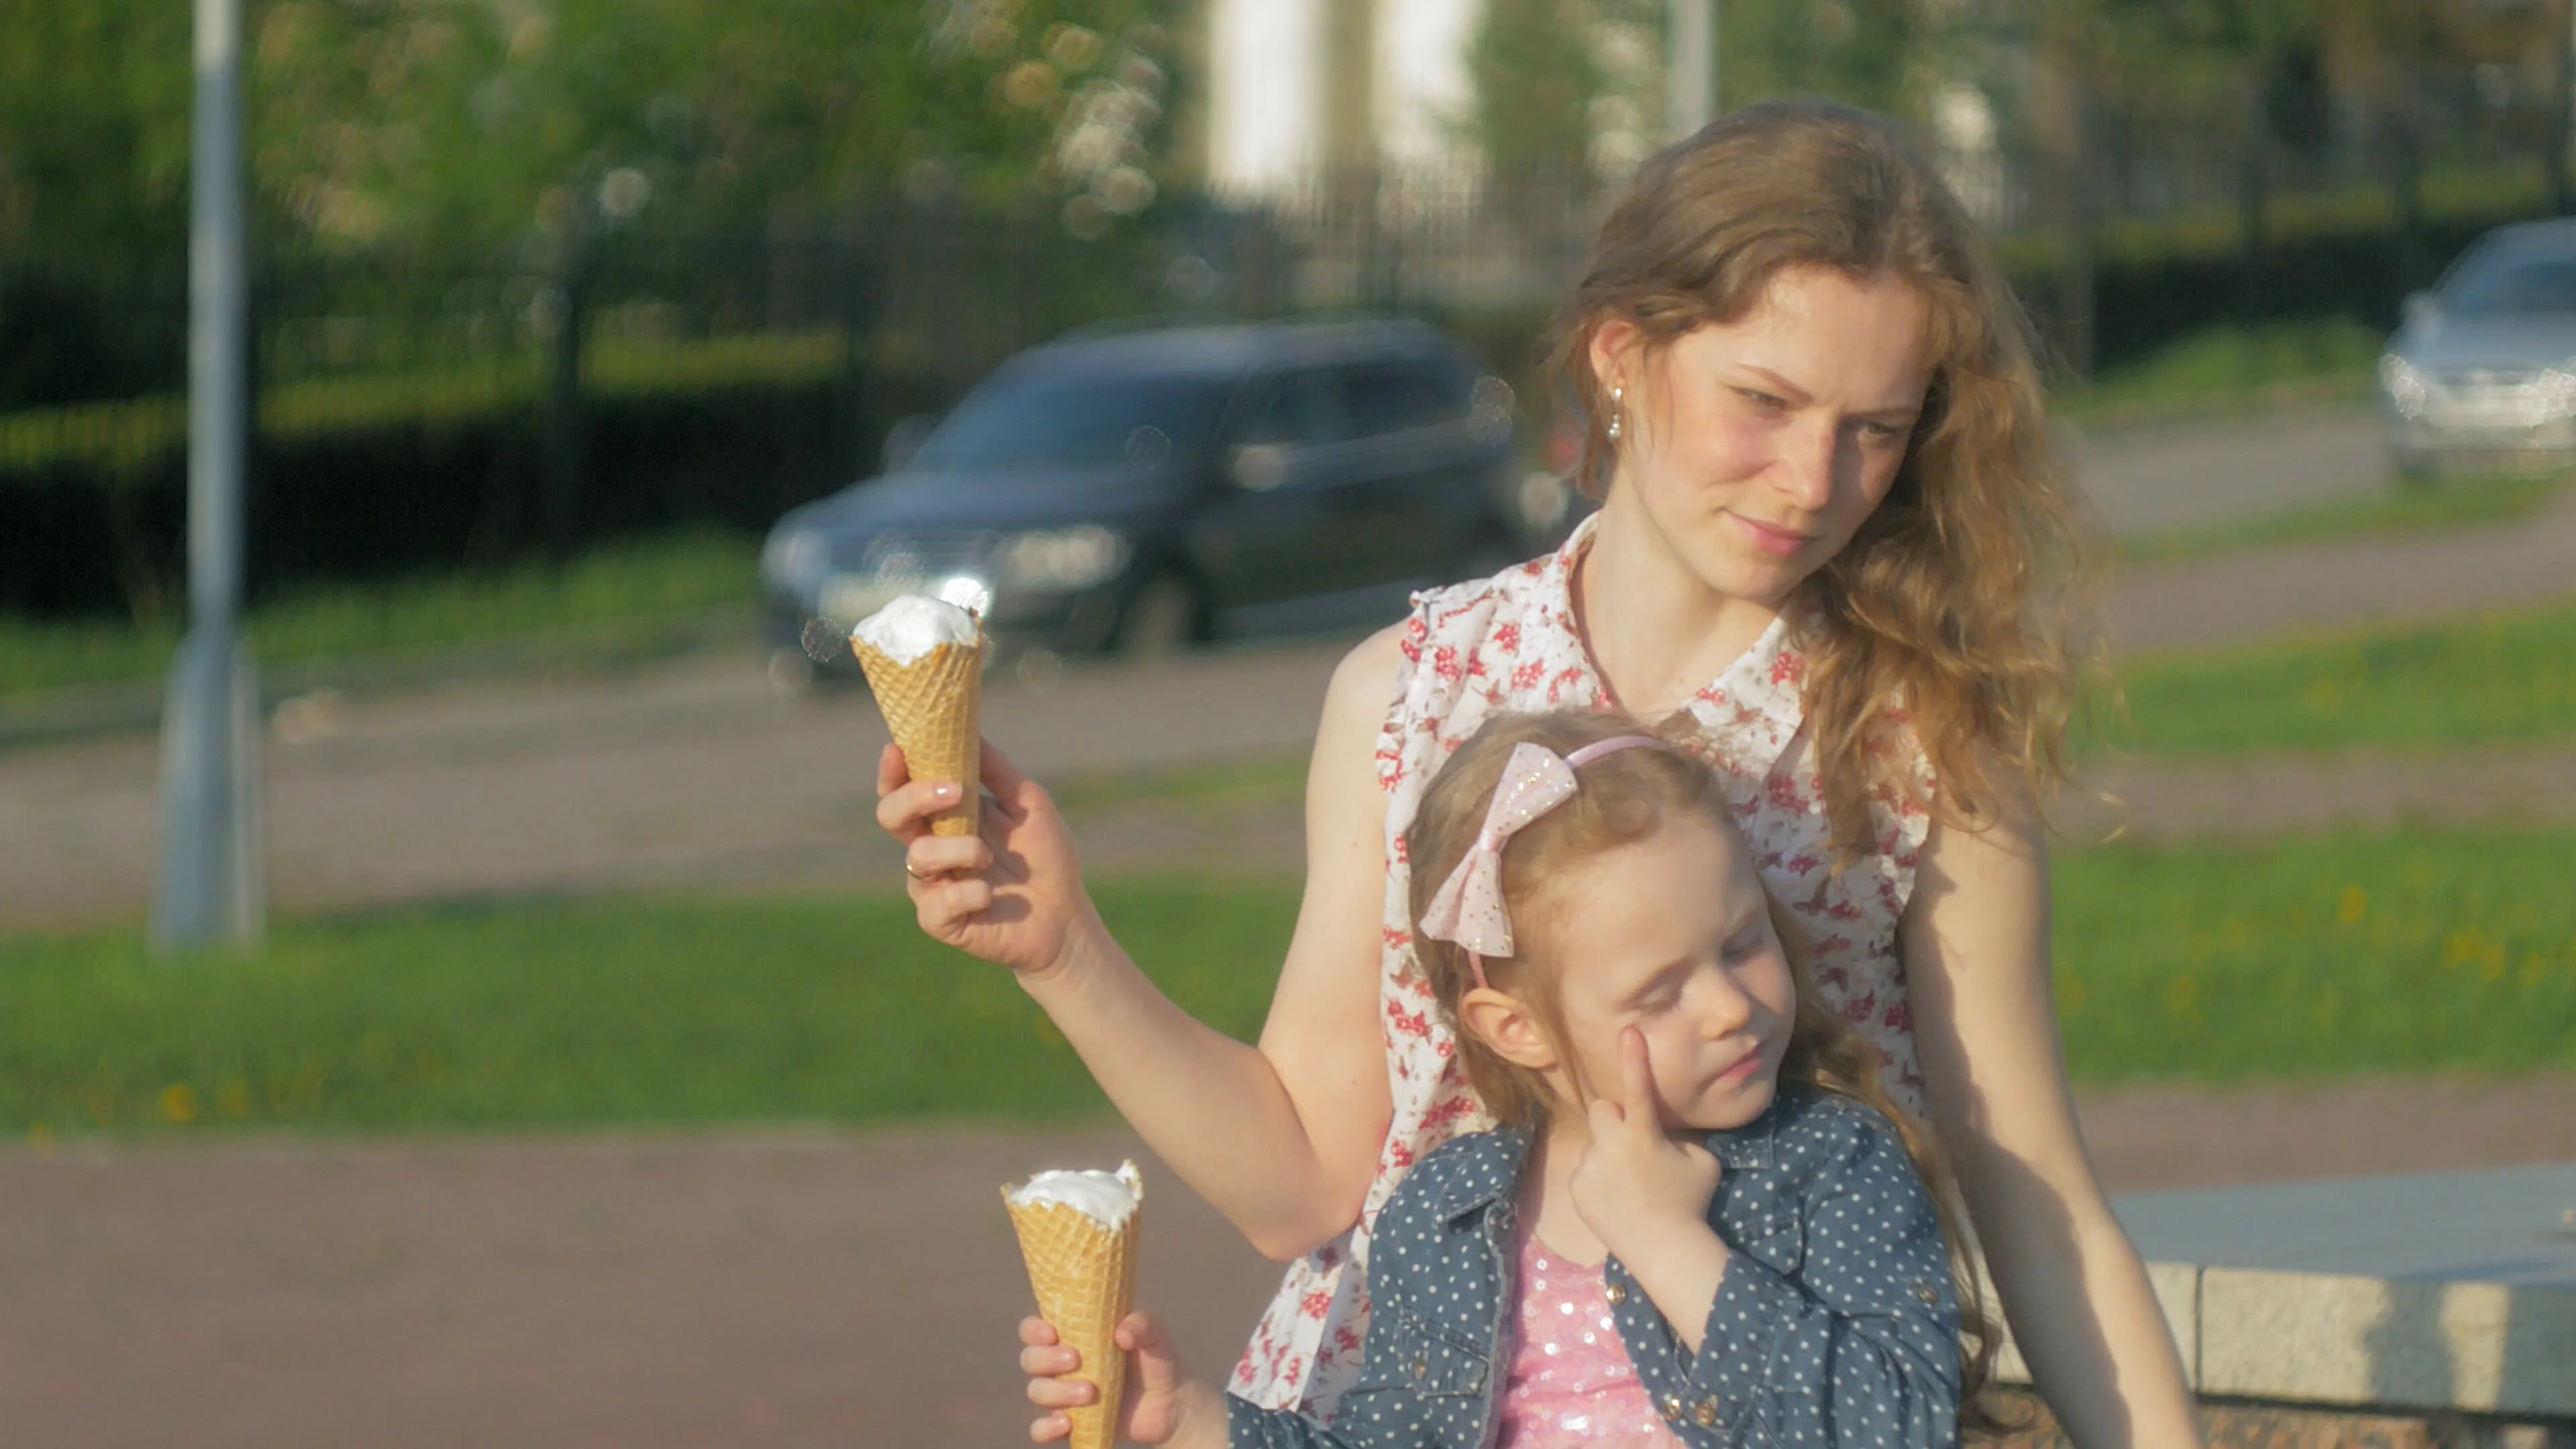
[1510, 644]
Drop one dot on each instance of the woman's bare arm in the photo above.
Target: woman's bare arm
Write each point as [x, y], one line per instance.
[1976, 945]
[1282, 1138]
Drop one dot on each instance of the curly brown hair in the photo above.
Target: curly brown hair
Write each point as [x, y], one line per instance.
[1966, 599]
[1625, 797]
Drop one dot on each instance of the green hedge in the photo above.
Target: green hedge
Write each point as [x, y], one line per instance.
[366, 477]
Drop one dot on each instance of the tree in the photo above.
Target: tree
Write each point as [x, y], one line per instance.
[1535, 78]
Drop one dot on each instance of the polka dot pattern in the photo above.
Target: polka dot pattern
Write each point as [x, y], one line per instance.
[1836, 1323]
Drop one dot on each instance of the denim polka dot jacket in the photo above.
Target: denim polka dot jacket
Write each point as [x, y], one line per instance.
[1837, 1322]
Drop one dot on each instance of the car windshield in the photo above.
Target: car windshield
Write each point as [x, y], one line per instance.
[2516, 284]
[1076, 419]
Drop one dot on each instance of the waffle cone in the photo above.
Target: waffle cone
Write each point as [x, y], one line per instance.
[1085, 1277]
[934, 706]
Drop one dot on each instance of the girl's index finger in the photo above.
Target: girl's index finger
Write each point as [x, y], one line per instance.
[1636, 1077]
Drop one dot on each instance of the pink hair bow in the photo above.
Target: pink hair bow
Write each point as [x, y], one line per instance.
[1469, 908]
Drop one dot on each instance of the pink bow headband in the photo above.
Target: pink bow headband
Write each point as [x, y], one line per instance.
[1468, 908]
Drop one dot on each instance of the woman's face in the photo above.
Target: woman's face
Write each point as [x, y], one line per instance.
[1757, 448]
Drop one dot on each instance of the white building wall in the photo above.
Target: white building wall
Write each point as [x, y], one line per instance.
[1265, 95]
[1424, 98]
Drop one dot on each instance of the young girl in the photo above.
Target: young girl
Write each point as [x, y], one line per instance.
[1694, 1217]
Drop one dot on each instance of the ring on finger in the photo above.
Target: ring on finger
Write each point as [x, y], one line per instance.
[916, 875]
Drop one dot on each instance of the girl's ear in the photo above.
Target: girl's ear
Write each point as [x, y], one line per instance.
[1507, 1025]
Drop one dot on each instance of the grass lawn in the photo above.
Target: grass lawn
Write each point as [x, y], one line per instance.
[2503, 678]
[2407, 953]
[619, 601]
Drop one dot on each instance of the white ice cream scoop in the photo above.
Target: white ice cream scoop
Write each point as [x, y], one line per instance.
[915, 624]
[1106, 1198]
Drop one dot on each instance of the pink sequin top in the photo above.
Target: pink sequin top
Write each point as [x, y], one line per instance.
[1570, 1381]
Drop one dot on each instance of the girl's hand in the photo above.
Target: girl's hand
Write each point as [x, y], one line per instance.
[1163, 1406]
[1636, 1186]
[1009, 894]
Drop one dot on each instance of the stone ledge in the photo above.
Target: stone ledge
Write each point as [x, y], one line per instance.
[2439, 1293]
[2249, 1424]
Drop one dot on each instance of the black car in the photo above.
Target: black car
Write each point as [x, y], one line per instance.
[1146, 489]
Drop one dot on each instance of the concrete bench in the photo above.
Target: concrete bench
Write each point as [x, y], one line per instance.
[2420, 1310]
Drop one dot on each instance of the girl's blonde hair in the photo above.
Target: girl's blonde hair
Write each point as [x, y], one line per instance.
[1964, 598]
[1622, 798]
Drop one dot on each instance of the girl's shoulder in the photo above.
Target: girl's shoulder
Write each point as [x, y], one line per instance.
[1810, 1133]
[1469, 1170]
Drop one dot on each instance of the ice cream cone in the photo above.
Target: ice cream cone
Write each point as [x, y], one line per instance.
[1084, 1272]
[934, 706]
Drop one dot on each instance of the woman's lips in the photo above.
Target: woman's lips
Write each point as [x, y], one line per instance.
[1778, 542]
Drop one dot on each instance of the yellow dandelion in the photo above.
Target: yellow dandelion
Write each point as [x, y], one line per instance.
[2181, 993]
[2352, 905]
[179, 1103]
[233, 1099]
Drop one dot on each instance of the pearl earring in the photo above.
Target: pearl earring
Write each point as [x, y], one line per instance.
[1617, 395]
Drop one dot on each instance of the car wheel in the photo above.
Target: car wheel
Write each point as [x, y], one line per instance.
[1161, 618]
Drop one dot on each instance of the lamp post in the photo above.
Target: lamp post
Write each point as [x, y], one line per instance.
[1690, 71]
[212, 886]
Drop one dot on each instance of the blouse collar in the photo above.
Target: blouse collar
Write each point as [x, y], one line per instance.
[1749, 712]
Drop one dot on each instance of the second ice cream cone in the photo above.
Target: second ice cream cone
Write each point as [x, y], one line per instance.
[1084, 1274]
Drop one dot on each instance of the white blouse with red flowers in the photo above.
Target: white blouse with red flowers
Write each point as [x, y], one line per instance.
[1509, 644]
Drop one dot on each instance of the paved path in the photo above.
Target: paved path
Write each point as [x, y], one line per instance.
[2161, 478]
[764, 1288]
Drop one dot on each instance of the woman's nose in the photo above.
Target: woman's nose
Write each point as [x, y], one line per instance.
[1809, 457]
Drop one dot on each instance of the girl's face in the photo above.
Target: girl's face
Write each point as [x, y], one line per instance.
[1638, 939]
[1757, 448]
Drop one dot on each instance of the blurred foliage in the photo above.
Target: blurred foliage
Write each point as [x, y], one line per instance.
[494, 118]
[1536, 80]
[434, 130]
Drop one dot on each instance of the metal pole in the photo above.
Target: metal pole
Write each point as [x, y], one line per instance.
[212, 888]
[1690, 71]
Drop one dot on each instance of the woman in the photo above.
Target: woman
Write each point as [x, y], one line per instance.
[1830, 533]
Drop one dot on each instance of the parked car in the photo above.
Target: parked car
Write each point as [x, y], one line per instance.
[1146, 489]
[2483, 371]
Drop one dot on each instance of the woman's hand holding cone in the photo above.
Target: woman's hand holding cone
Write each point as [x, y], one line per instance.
[1010, 893]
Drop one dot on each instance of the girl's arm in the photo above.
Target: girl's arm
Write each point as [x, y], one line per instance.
[1975, 938]
[1282, 1138]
